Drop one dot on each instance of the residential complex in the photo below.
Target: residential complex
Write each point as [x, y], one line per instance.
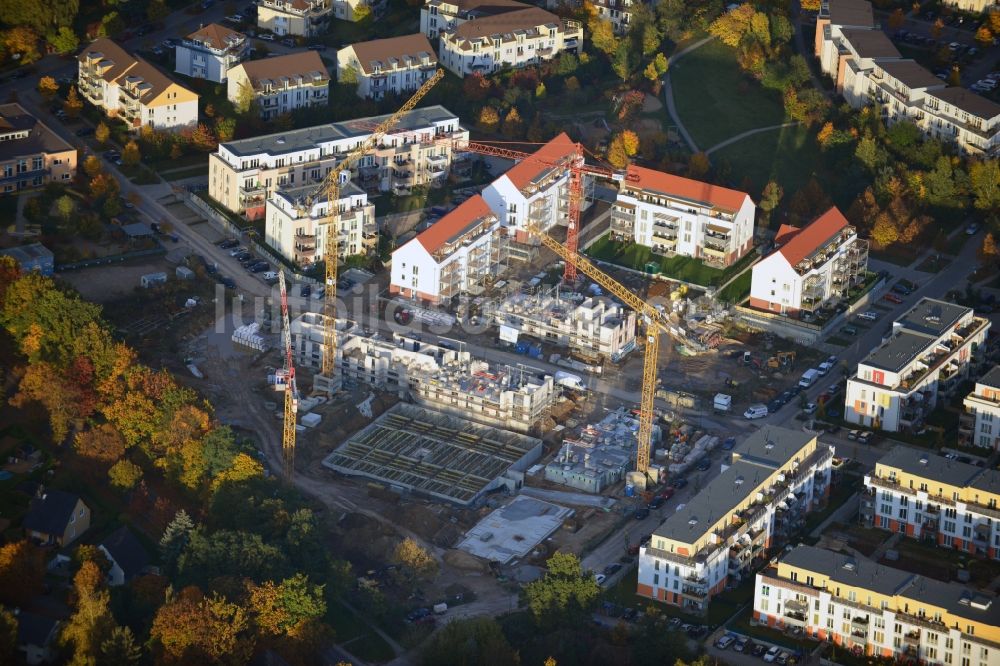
[513, 39]
[210, 52]
[31, 154]
[927, 353]
[243, 174]
[811, 267]
[458, 254]
[297, 222]
[931, 497]
[868, 69]
[979, 425]
[301, 18]
[129, 88]
[281, 84]
[395, 65]
[776, 477]
[618, 12]
[876, 610]
[430, 375]
[674, 215]
[439, 15]
[593, 326]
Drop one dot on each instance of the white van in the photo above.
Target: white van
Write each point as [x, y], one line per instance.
[755, 412]
[809, 378]
[824, 368]
[270, 275]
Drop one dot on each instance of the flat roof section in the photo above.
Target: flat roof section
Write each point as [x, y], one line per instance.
[514, 530]
[932, 317]
[930, 466]
[898, 351]
[434, 454]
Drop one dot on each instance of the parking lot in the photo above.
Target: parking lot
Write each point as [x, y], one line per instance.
[734, 648]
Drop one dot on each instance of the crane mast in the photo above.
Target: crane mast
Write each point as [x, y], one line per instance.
[291, 393]
[330, 187]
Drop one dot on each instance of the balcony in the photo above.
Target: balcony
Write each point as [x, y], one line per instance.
[305, 252]
[912, 639]
[795, 619]
[859, 626]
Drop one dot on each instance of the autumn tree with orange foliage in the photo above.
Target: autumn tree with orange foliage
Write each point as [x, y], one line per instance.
[195, 629]
[22, 572]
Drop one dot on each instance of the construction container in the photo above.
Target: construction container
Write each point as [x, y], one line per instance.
[310, 420]
[249, 336]
[636, 479]
[150, 279]
[184, 273]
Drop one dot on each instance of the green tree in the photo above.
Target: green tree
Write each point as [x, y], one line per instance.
[125, 475]
[157, 10]
[280, 609]
[246, 101]
[130, 154]
[473, 641]
[175, 538]
[602, 36]
[210, 556]
[120, 648]
[564, 594]
[770, 197]
[111, 25]
[64, 40]
[621, 61]
[984, 178]
[65, 206]
[869, 153]
[347, 75]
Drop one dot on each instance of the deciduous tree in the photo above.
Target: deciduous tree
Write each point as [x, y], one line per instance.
[22, 572]
[414, 559]
[630, 141]
[513, 126]
[63, 40]
[22, 40]
[8, 636]
[203, 139]
[73, 105]
[565, 594]
[101, 443]
[47, 87]
[130, 154]
[698, 165]
[225, 129]
[102, 134]
[125, 475]
[985, 182]
[92, 622]
[476, 87]
[896, 19]
[157, 10]
[120, 648]
[92, 166]
[602, 36]
[194, 629]
[988, 250]
[984, 37]
[771, 196]
[617, 157]
[731, 26]
[473, 641]
[937, 29]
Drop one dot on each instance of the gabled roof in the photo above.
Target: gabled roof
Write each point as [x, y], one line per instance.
[215, 36]
[968, 101]
[507, 23]
[525, 171]
[685, 188]
[36, 630]
[127, 552]
[813, 236]
[157, 81]
[291, 66]
[50, 513]
[454, 224]
[109, 51]
[384, 51]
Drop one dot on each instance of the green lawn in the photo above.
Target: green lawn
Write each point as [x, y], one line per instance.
[357, 638]
[190, 172]
[789, 155]
[716, 100]
[637, 257]
[737, 290]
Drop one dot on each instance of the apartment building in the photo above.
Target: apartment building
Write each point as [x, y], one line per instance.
[129, 88]
[31, 155]
[875, 610]
[810, 268]
[930, 497]
[243, 174]
[458, 254]
[618, 12]
[776, 477]
[281, 84]
[449, 381]
[674, 215]
[591, 326]
[856, 54]
[513, 39]
[535, 192]
[396, 65]
[299, 18]
[979, 425]
[439, 15]
[834, 17]
[927, 353]
[210, 52]
[297, 221]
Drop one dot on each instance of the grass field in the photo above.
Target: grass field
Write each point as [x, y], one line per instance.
[737, 290]
[636, 256]
[789, 155]
[732, 104]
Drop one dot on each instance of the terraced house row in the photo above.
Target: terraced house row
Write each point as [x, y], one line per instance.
[930, 497]
[879, 611]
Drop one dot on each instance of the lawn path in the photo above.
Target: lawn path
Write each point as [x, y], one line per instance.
[668, 93]
[742, 135]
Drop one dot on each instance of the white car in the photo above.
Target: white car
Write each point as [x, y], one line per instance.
[810, 408]
[772, 654]
[724, 642]
[600, 578]
[267, 37]
[871, 315]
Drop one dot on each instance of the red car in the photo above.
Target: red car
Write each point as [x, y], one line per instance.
[667, 493]
[892, 298]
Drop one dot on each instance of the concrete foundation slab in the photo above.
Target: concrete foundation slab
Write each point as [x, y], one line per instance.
[512, 531]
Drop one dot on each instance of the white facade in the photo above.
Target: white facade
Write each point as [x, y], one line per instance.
[513, 39]
[209, 53]
[439, 15]
[776, 477]
[388, 66]
[618, 12]
[282, 84]
[980, 424]
[300, 18]
[458, 254]
[675, 215]
[810, 268]
[244, 173]
[928, 353]
[300, 235]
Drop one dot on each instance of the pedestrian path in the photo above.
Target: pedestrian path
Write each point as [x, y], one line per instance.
[743, 135]
[668, 94]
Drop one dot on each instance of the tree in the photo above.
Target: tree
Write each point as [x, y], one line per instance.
[73, 105]
[92, 166]
[65, 207]
[92, 623]
[617, 157]
[540, 91]
[993, 20]
[209, 556]
[47, 87]
[955, 76]
[125, 475]
[869, 153]
[101, 443]
[193, 629]
[884, 232]
[731, 26]
[8, 636]
[984, 37]
[111, 25]
[176, 152]
[203, 139]
[22, 40]
[243, 467]
[602, 36]
[937, 29]
[474, 641]
[650, 72]
[157, 10]
[246, 101]
[770, 197]
[63, 41]
[43, 383]
[130, 154]
[565, 594]
[120, 648]
[630, 141]
[698, 165]
[102, 133]
[988, 251]
[175, 537]
[281, 609]
[414, 560]
[621, 61]
[513, 126]
[22, 572]
[984, 179]
[476, 87]
[896, 19]
[103, 185]
[810, 5]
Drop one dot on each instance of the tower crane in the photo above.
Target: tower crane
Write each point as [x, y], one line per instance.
[330, 189]
[291, 393]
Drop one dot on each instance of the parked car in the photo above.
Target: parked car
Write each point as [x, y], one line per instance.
[729, 444]
[235, 18]
[289, 42]
[972, 229]
[317, 47]
[704, 465]
[305, 291]
[772, 654]
[267, 37]
[642, 514]
[741, 644]
[853, 435]
[612, 569]
[892, 298]
[238, 250]
[227, 282]
[657, 502]
[679, 483]
[865, 437]
[725, 641]
[758, 650]
[870, 315]
[85, 131]
[600, 578]
[810, 408]
[850, 330]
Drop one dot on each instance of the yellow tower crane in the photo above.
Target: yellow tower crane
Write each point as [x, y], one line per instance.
[291, 393]
[330, 188]
[655, 322]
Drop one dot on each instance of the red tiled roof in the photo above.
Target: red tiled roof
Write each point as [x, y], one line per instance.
[526, 171]
[215, 36]
[454, 224]
[813, 236]
[686, 188]
[786, 232]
